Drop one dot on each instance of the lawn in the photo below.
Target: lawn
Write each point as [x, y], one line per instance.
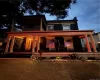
[25, 69]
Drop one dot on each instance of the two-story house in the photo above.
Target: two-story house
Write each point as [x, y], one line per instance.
[35, 33]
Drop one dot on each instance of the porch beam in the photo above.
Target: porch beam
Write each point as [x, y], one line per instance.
[42, 33]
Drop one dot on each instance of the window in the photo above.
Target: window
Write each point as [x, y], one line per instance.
[50, 27]
[66, 27]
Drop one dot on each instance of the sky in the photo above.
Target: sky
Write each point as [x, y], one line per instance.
[87, 13]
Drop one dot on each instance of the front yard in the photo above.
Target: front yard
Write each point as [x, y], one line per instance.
[25, 69]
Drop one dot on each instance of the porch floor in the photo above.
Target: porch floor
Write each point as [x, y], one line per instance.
[49, 54]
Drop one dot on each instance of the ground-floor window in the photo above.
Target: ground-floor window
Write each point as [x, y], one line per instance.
[50, 44]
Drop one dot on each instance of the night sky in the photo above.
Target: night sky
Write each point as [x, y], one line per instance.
[87, 13]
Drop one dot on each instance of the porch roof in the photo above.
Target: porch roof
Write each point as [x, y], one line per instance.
[52, 33]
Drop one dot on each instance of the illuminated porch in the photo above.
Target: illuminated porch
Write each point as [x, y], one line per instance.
[33, 39]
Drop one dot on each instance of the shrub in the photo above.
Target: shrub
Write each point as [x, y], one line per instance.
[73, 56]
[58, 57]
[83, 58]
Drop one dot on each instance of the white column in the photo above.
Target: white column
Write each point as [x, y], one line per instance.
[93, 43]
[7, 43]
[33, 45]
[12, 44]
[38, 43]
[87, 43]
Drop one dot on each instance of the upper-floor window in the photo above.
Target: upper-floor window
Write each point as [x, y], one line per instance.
[66, 27]
[50, 27]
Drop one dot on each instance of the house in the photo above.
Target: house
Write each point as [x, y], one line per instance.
[97, 40]
[35, 33]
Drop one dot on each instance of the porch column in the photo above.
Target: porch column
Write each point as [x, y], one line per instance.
[93, 43]
[87, 43]
[12, 44]
[38, 43]
[33, 45]
[41, 25]
[7, 43]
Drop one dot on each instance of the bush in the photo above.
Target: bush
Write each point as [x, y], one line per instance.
[83, 58]
[58, 57]
[73, 56]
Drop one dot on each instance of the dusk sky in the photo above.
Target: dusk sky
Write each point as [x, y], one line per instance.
[87, 13]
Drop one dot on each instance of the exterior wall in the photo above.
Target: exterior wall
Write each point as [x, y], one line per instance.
[37, 27]
[31, 28]
[97, 40]
[67, 25]
[60, 26]
[99, 36]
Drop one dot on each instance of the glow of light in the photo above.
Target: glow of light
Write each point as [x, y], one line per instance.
[29, 39]
[98, 42]
[28, 43]
[67, 44]
[21, 37]
[0, 43]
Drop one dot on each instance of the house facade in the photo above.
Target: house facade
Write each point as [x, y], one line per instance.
[34, 34]
[97, 40]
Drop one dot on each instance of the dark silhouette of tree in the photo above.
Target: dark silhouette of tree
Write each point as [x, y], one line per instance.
[56, 8]
[11, 8]
[8, 10]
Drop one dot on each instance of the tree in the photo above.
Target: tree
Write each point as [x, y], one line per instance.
[56, 8]
[12, 8]
[8, 10]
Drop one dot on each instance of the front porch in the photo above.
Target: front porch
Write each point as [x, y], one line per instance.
[32, 40]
